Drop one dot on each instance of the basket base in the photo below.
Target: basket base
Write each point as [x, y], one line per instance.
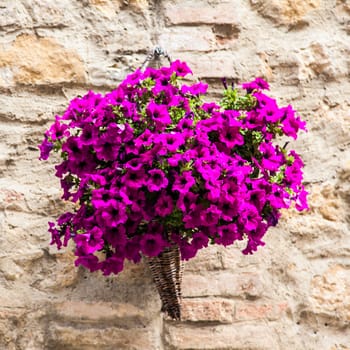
[166, 270]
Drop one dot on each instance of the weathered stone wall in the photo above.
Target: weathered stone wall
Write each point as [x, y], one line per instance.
[293, 294]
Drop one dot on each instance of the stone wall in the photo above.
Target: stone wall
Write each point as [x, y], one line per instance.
[293, 294]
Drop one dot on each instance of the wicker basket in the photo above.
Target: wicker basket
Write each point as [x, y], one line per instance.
[166, 270]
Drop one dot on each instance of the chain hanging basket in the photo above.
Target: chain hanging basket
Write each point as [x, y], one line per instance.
[166, 270]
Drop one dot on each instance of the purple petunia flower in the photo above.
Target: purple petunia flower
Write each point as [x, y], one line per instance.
[272, 159]
[152, 245]
[184, 182]
[248, 217]
[156, 180]
[227, 234]
[195, 89]
[112, 215]
[231, 136]
[257, 84]
[45, 149]
[187, 250]
[210, 216]
[134, 179]
[172, 141]
[158, 114]
[301, 201]
[88, 261]
[164, 205]
[291, 124]
[89, 242]
[180, 68]
[113, 264]
[57, 131]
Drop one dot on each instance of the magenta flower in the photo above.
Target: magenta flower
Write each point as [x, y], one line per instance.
[45, 149]
[210, 216]
[184, 182]
[134, 179]
[195, 89]
[132, 250]
[291, 124]
[113, 214]
[113, 264]
[278, 197]
[301, 201]
[180, 68]
[145, 139]
[187, 201]
[248, 217]
[107, 146]
[228, 234]
[156, 180]
[187, 250]
[164, 205]
[152, 245]
[272, 159]
[231, 136]
[257, 84]
[159, 114]
[90, 242]
[199, 240]
[171, 142]
[57, 131]
[55, 235]
[88, 261]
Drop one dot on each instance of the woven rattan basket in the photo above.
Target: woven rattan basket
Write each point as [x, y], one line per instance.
[166, 270]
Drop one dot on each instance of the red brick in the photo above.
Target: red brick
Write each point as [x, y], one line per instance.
[248, 311]
[208, 310]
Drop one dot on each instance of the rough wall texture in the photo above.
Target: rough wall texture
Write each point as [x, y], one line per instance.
[293, 294]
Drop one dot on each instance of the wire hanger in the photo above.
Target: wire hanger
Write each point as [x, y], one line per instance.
[155, 55]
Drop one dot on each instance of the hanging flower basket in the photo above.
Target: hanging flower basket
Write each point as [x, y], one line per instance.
[155, 171]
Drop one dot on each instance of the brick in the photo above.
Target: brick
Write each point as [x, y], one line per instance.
[75, 338]
[250, 311]
[237, 337]
[201, 13]
[221, 64]
[106, 313]
[187, 39]
[225, 284]
[207, 310]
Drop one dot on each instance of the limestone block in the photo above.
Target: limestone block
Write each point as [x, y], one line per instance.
[330, 294]
[285, 12]
[225, 284]
[40, 61]
[243, 337]
[201, 13]
[70, 337]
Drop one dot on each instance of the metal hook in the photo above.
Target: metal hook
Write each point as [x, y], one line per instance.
[155, 54]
